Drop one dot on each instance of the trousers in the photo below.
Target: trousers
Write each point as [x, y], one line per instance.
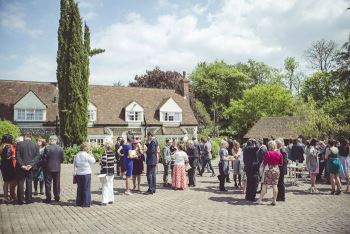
[83, 190]
[55, 178]
[151, 178]
[166, 166]
[281, 187]
[25, 177]
[252, 183]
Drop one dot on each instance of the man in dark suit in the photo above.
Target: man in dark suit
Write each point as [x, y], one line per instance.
[151, 162]
[52, 159]
[27, 155]
[251, 167]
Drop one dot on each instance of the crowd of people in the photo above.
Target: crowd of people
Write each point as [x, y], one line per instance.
[255, 166]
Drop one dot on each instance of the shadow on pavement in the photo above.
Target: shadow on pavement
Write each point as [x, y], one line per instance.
[215, 189]
[233, 201]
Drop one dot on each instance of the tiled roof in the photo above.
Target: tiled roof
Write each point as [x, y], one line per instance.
[109, 100]
[275, 127]
[172, 131]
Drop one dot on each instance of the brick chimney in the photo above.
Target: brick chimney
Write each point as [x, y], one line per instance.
[185, 86]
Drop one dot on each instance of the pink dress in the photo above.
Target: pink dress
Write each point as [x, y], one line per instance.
[272, 159]
[179, 178]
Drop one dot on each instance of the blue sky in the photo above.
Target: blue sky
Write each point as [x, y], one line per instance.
[175, 35]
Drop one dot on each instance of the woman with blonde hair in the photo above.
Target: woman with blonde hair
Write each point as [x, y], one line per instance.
[223, 164]
[82, 172]
[179, 179]
[107, 172]
[237, 165]
[271, 162]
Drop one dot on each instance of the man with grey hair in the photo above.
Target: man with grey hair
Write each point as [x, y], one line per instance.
[52, 159]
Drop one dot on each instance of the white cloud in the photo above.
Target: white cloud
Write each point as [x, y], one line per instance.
[88, 8]
[12, 17]
[38, 68]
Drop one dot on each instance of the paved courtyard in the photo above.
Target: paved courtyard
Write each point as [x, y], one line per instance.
[196, 210]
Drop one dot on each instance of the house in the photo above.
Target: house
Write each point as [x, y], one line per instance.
[274, 127]
[112, 111]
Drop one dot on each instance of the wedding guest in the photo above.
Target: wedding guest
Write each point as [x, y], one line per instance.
[251, 168]
[179, 179]
[137, 164]
[207, 156]
[312, 163]
[27, 155]
[38, 173]
[224, 164]
[52, 158]
[333, 166]
[151, 162]
[166, 161]
[117, 156]
[121, 158]
[283, 170]
[82, 171]
[193, 157]
[7, 167]
[107, 168]
[344, 152]
[237, 165]
[128, 161]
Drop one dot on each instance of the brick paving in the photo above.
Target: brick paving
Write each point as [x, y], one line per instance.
[196, 210]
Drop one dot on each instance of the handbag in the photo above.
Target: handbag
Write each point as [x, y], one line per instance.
[133, 154]
[187, 166]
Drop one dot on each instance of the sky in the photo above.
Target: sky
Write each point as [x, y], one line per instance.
[139, 35]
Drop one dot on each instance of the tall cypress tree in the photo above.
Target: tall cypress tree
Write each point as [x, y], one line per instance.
[73, 74]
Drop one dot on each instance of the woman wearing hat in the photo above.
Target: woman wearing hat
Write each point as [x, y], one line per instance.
[137, 163]
[107, 169]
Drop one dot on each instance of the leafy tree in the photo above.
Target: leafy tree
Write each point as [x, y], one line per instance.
[73, 73]
[157, 78]
[260, 73]
[343, 68]
[118, 84]
[322, 55]
[293, 77]
[6, 127]
[215, 84]
[314, 122]
[320, 86]
[259, 101]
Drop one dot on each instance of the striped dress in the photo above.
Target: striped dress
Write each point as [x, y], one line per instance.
[107, 163]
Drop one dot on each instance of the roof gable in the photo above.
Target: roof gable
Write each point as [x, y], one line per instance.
[170, 106]
[30, 101]
[134, 106]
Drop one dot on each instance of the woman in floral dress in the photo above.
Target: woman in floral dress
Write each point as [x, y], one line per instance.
[272, 160]
[179, 178]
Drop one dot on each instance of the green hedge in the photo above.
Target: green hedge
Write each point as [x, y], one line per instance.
[6, 127]
[70, 152]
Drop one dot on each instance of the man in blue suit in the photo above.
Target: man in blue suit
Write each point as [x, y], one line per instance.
[151, 162]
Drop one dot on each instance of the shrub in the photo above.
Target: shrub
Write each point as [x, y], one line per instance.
[6, 127]
[215, 142]
[70, 152]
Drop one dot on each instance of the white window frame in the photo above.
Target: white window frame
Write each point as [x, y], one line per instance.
[175, 116]
[92, 115]
[30, 115]
[134, 114]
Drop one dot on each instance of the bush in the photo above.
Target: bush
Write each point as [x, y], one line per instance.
[215, 142]
[6, 127]
[70, 152]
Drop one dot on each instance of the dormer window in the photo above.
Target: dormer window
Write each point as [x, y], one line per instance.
[172, 116]
[92, 113]
[170, 112]
[134, 112]
[30, 108]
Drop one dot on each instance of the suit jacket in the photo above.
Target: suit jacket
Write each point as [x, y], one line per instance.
[151, 153]
[52, 158]
[251, 164]
[297, 153]
[27, 153]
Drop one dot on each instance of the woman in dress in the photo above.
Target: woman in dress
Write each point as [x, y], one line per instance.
[344, 151]
[237, 165]
[333, 166]
[107, 168]
[137, 164]
[179, 179]
[272, 160]
[82, 172]
[128, 162]
[8, 167]
[224, 164]
[312, 163]
[38, 172]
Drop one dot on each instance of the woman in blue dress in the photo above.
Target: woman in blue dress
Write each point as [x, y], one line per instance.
[333, 166]
[128, 161]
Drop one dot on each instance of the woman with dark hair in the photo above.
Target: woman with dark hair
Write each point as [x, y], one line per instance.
[333, 166]
[38, 172]
[128, 161]
[121, 158]
[8, 167]
[312, 163]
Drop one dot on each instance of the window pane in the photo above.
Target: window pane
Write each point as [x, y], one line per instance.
[136, 116]
[21, 114]
[38, 115]
[30, 114]
[91, 115]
